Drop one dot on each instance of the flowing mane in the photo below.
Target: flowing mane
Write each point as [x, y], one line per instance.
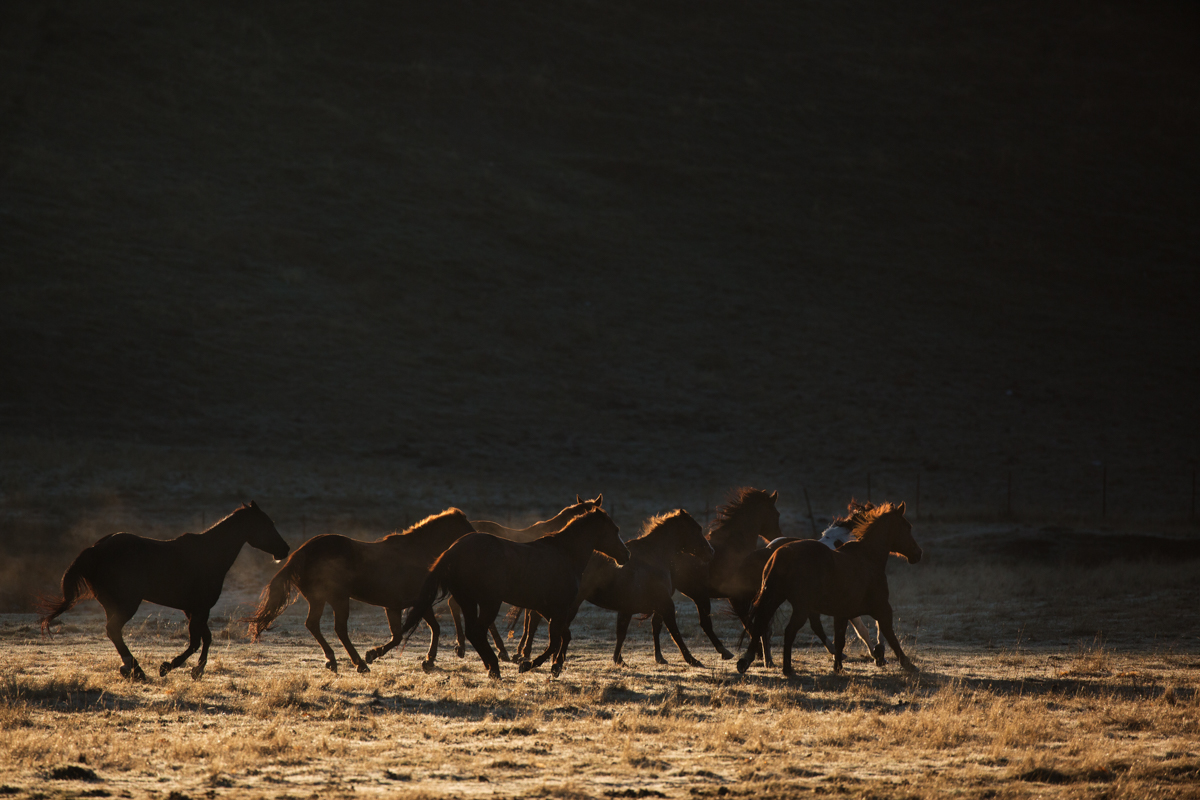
[856, 514]
[577, 521]
[727, 524]
[429, 522]
[654, 523]
[865, 517]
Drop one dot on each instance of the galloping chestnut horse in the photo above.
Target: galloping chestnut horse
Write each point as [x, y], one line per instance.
[842, 583]
[481, 571]
[187, 572]
[389, 572]
[837, 534]
[749, 520]
[643, 586]
[534, 531]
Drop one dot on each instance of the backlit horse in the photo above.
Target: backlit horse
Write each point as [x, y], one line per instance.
[187, 572]
[389, 572]
[842, 583]
[481, 571]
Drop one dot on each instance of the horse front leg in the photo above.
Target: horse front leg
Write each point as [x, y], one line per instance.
[193, 644]
[704, 612]
[501, 650]
[478, 618]
[560, 655]
[741, 607]
[885, 629]
[839, 642]
[622, 629]
[667, 615]
[525, 648]
[205, 641]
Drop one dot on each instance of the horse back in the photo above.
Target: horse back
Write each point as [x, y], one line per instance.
[484, 567]
[125, 568]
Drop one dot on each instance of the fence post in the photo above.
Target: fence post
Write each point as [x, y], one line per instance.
[918, 503]
[1192, 515]
[1010, 494]
[812, 520]
[1104, 491]
[868, 487]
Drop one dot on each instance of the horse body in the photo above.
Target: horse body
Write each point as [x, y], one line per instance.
[481, 571]
[643, 585]
[333, 569]
[122, 570]
[735, 570]
[524, 535]
[842, 583]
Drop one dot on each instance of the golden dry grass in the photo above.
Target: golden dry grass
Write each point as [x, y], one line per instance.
[1061, 717]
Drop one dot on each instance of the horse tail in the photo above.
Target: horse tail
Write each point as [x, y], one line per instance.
[278, 594]
[75, 587]
[766, 602]
[433, 591]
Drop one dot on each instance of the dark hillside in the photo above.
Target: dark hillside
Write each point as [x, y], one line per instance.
[582, 245]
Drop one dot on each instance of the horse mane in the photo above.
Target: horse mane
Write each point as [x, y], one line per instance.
[856, 513]
[659, 520]
[725, 524]
[865, 517]
[578, 520]
[431, 521]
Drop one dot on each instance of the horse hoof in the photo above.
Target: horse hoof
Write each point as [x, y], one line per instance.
[126, 671]
[556, 670]
[726, 655]
[620, 662]
[742, 665]
[494, 674]
[363, 668]
[427, 666]
[788, 672]
[331, 666]
[693, 662]
[908, 666]
[164, 668]
[371, 656]
[197, 673]
[138, 675]
[525, 667]
[460, 651]
[660, 660]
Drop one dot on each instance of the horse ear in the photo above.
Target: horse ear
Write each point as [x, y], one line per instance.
[577, 499]
[900, 508]
[600, 499]
[774, 495]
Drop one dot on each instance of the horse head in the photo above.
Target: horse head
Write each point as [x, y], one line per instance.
[751, 515]
[690, 537]
[261, 533]
[608, 539]
[900, 538]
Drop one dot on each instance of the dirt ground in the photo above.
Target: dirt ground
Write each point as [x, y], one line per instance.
[1061, 681]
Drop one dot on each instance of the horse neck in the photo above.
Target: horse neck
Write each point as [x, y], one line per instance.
[579, 544]
[874, 547]
[226, 539]
[658, 545]
[553, 524]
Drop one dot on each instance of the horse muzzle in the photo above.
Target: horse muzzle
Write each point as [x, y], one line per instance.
[914, 557]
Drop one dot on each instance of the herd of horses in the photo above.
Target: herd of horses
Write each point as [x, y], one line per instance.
[549, 570]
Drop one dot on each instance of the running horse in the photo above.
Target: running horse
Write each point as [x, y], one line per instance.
[643, 586]
[481, 571]
[336, 569]
[534, 531]
[842, 583]
[187, 572]
[748, 521]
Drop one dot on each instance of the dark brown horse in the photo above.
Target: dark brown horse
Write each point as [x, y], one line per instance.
[843, 583]
[738, 534]
[187, 572]
[642, 586]
[389, 572]
[481, 571]
[534, 531]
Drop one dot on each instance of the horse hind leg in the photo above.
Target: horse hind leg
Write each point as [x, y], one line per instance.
[341, 619]
[795, 623]
[704, 612]
[116, 619]
[313, 623]
[460, 640]
[623, 620]
[477, 633]
[501, 650]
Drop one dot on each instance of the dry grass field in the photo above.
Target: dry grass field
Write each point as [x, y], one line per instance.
[1058, 681]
